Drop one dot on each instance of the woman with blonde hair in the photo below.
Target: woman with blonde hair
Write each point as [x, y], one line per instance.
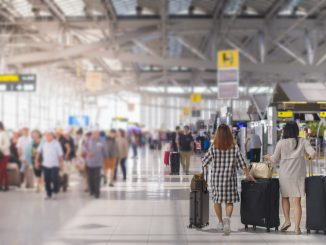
[225, 159]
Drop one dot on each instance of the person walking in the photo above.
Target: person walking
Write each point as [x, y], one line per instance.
[225, 158]
[290, 154]
[94, 149]
[123, 150]
[112, 156]
[255, 144]
[51, 154]
[186, 146]
[22, 147]
[4, 157]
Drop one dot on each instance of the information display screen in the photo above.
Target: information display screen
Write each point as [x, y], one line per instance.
[17, 83]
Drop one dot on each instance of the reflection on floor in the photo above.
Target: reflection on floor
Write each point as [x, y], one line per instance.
[150, 208]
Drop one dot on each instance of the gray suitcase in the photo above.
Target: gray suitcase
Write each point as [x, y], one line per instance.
[199, 208]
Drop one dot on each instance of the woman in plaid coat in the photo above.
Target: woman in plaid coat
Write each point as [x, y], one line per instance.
[225, 158]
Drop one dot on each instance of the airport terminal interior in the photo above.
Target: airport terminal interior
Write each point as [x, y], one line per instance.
[140, 121]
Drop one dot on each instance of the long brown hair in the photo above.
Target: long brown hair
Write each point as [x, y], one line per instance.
[223, 139]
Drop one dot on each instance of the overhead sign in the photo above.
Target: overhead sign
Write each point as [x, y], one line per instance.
[228, 74]
[79, 121]
[17, 82]
[285, 114]
[195, 98]
[228, 59]
[322, 114]
[121, 119]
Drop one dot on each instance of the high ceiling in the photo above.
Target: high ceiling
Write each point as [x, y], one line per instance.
[158, 43]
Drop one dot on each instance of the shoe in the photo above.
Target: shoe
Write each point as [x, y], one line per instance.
[111, 185]
[285, 226]
[298, 232]
[226, 226]
[220, 226]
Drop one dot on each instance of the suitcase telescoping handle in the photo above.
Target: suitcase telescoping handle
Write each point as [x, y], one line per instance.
[310, 172]
[205, 172]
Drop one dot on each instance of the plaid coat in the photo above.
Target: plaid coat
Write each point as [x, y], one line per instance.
[224, 164]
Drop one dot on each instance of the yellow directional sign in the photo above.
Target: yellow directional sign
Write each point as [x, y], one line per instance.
[195, 98]
[285, 114]
[322, 114]
[228, 59]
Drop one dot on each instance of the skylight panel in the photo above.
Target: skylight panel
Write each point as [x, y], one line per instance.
[71, 7]
[22, 7]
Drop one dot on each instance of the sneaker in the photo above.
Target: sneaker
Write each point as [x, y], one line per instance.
[220, 227]
[226, 226]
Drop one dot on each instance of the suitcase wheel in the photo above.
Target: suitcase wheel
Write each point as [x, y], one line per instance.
[254, 227]
[308, 231]
[268, 230]
[246, 227]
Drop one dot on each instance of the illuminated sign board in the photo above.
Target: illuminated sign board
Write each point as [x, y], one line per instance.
[17, 83]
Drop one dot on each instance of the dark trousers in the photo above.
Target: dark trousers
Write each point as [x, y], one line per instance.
[3, 171]
[122, 163]
[94, 180]
[51, 179]
[255, 155]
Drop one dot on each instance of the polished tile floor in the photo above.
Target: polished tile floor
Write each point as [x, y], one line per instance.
[150, 208]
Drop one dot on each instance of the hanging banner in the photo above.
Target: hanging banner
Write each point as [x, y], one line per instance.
[228, 74]
[195, 98]
[186, 111]
[94, 81]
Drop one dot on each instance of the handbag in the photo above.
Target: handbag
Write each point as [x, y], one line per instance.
[198, 182]
[263, 170]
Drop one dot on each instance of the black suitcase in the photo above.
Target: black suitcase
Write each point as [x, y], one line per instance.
[316, 203]
[260, 202]
[199, 208]
[175, 163]
[64, 182]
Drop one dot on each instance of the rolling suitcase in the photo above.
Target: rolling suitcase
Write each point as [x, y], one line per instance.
[175, 163]
[29, 176]
[64, 181]
[315, 202]
[199, 207]
[260, 203]
[13, 175]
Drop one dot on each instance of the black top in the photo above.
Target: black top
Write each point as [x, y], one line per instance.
[63, 141]
[185, 142]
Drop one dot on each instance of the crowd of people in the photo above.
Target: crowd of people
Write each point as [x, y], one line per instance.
[45, 160]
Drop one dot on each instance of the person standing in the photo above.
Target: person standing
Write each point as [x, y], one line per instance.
[52, 161]
[225, 158]
[4, 157]
[30, 155]
[290, 153]
[255, 145]
[26, 169]
[186, 146]
[123, 150]
[112, 156]
[94, 149]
